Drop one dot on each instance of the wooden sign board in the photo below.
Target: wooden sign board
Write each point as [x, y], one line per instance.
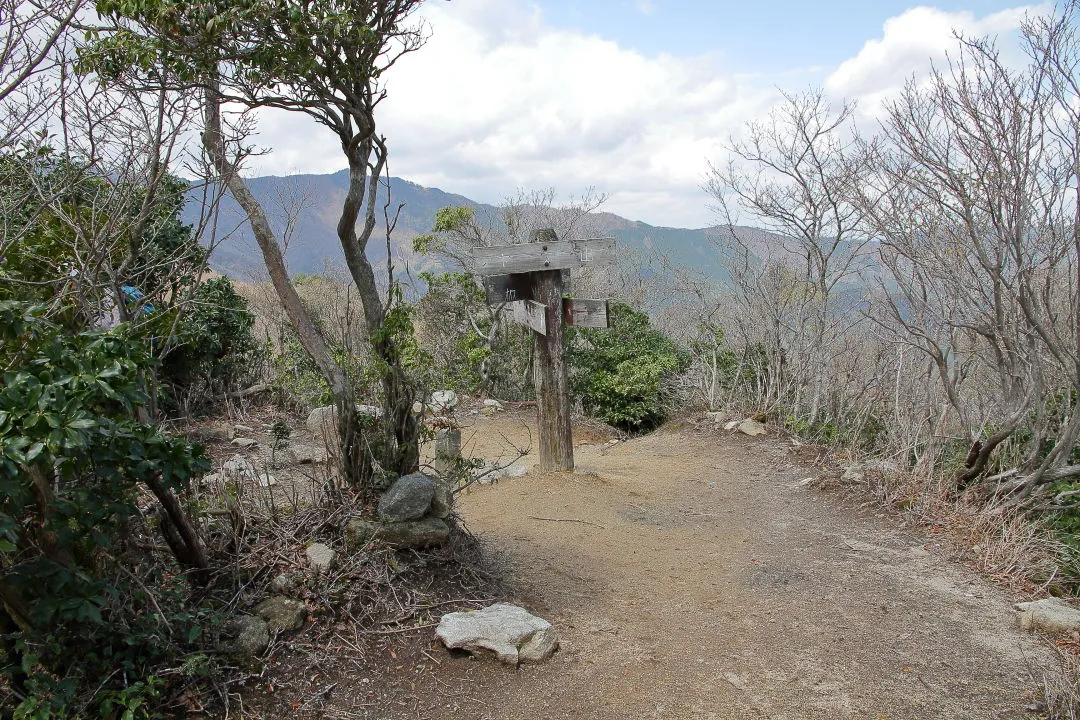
[531, 313]
[508, 288]
[585, 313]
[535, 257]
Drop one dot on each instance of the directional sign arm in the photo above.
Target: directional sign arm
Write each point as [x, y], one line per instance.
[534, 257]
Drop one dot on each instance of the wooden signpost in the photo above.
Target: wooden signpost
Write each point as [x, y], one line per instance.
[530, 277]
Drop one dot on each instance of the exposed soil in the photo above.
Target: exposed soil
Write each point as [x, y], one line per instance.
[691, 574]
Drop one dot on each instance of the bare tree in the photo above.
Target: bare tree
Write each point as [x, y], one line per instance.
[975, 199]
[792, 274]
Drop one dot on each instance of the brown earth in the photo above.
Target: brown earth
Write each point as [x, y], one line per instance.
[691, 574]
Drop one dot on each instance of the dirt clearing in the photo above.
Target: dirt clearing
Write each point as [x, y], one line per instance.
[691, 575]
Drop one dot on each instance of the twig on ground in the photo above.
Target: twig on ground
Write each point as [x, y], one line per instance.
[573, 520]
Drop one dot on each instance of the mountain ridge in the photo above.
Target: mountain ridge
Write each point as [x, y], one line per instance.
[311, 204]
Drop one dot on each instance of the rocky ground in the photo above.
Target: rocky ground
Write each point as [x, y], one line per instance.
[691, 573]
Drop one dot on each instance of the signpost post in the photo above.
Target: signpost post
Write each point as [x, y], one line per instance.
[530, 276]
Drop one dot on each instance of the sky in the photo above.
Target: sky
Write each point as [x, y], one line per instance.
[632, 98]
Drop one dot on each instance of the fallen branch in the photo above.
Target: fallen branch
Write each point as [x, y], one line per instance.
[398, 630]
[253, 390]
[574, 520]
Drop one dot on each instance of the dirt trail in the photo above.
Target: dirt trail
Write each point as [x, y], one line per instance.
[706, 582]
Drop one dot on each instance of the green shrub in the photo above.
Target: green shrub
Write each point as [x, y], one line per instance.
[72, 457]
[214, 350]
[618, 373]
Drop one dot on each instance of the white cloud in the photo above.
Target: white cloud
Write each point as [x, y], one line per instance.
[645, 7]
[499, 100]
[909, 46]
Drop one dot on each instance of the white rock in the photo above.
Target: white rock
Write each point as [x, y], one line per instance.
[494, 404]
[244, 442]
[731, 425]
[751, 427]
[266, 480]
[853, 474]
[511, 632]
[243, 429]
[444, 400]
[238, 465]
[514, 471]
[322, 421]
[1051, 615]
[320, 557]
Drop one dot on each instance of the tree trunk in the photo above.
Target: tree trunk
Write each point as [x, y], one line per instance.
[552, 384]
[351, 466]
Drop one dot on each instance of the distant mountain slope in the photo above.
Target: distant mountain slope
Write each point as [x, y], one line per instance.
[314, 243]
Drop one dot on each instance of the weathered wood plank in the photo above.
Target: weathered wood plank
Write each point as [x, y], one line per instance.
[550, 377]
[531, 313]
[508, 288]
[541, 256]
[579, 312]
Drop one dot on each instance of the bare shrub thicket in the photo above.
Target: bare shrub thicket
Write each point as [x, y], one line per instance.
[917, 294]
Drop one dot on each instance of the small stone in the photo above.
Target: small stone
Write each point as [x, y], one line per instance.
[1052, 615]
[853, 474]
[212, 433]
[243, 442]
[239, 429]
[266, 480]
[282, 613]
[320, 557]
[493, 404]
[751, 427]
[282, 585]
[417, 408]
[408, 498]
[511, 632]
[251, 635]
[731, 425]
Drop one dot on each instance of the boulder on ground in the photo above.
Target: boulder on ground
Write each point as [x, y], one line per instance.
[511, 632]
[319, 557]
[442, 502]
[282, 613]
[251, 635]
[1051, 615]
[493, 404]
[752, 428]
[239, 465]
[408, 498]
[412, 534]
[322, 421]
[443, 401]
